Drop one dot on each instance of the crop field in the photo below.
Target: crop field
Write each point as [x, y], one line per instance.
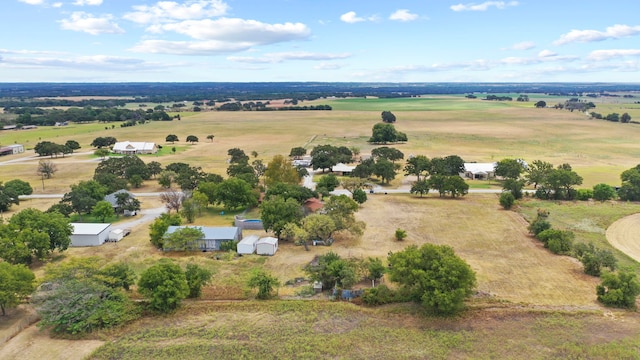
[530, 303]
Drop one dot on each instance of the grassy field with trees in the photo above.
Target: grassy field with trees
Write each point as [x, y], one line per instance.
[521, 291]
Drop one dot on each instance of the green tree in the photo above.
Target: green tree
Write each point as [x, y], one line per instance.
[280, 170]
[297, 152]
[342, 210]
[103, 210]
[237, 156]
[619, 289]
[603, 192]
[507, 200]
[359, 196]
[540, 104]
[514, 186]
[333, 271]
[16, 283]
[329, 182]
[154, 168]
[172, 137]
[192, 139]
[164, 285]
[72, 145]
[451, 165]
[537, 172]
[276, 212]
[8, 197]
[383, 133]
[264, 282]
[18, 187]
[557, 241]
[197, 277]
[389, 153]
[630, 188]
[183, 239]
[235, 193]
[420, 187]
[385, 170]
[400, 234]
[418, 166]
[625, 118]
[375, 269]
[118, 275]
[509, 168]
[159, 227]
[103, 153]
[388, 117]
[33, 224]
[319, 226]
[434, 275]
[84, 196]
[594, 259]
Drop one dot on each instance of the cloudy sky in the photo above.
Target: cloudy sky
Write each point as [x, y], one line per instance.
[319, 40]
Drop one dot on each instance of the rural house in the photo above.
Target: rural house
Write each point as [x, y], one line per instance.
[479, 171]
[213, 236]
[135, 148]
[342, 169]
[11, 149]
[113, 200]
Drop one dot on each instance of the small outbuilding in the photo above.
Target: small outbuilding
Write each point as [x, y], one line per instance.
[267, 246]
[247, 245]
[89, 234]
[116, 235]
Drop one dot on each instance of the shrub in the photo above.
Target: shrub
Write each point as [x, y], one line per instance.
[400, 234]
[557, 241]
[603, 192]
[229, 246]
[507, 200]
[539, 225]
[619, 290]
[584, 194]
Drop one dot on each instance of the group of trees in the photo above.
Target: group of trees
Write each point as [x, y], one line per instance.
[190, 138]
[84, 294]
[326, 156]
[614, 117]
[48, 148]
[441, 174]
[384, 133]
[49, 117]
[11, 191]
[630, 188]
[617, 288]
[31, 234]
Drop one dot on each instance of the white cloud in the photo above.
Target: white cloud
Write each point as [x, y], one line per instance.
[88, 2]
[33, 2]
[56, 5]
[211, 47]
[599, 55]
[168, 11]
[236, 30]
[351, 17]
[525, 45]
[286, 56]
[484, 6]
[612, 32]
[328, 66]
[93, 63]
[27, 52]
[403, 15]
[81, 21]
[546, 53]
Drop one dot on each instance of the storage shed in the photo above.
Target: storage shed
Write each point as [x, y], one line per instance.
[267, 246]
[116, 235]
[248, 244]
[89, 234]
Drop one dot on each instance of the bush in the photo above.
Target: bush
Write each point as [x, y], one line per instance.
[584, 194]
[619, 290]
[507, 200]
[400, 234]
[603, 192]
[539, 225]
[229, 246]
[557, 241]
[381, 295]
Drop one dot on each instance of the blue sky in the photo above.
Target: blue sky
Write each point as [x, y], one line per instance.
[319, 40]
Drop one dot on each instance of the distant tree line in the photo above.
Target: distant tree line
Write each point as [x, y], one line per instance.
[37, 116]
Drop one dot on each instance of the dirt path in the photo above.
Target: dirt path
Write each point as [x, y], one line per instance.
[624, 235]
[31, 343]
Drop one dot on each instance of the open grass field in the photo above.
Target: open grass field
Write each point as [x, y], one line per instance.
[530, 303]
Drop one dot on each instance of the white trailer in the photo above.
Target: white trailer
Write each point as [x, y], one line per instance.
[247, 245]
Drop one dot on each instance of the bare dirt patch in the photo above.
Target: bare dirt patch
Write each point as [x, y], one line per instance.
[624, 235]
[32, 343]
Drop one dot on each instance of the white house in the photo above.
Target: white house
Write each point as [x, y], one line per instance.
[342, 169]
[479, 171]
[248, 244]
[267, 246]
[135, 148]
[89, 234]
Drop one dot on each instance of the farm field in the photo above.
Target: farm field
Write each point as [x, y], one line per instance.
[527, 295]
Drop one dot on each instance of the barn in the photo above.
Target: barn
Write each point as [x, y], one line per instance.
[89, 234]
[248, 244]
[267, 246]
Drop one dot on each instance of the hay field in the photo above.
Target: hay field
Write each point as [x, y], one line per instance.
[473, 129]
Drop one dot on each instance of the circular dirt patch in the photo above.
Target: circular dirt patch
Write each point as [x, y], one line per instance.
[624, 235]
